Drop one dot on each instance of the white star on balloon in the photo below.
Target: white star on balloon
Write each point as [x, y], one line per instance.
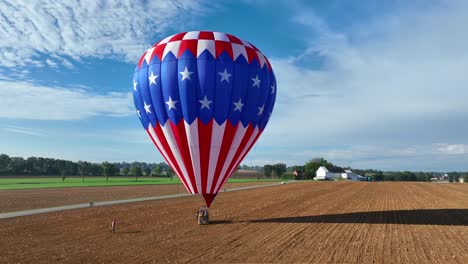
[152, 78]
[205, 103]
[256, 81]
[186, 74]
[134, 85]
[171, 103]
[224, 75]
[138, 112]
[273, 89]
[238, 105]
[260, 110]
[147, 107]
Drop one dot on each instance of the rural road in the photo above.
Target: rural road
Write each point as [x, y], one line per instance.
[86, 205]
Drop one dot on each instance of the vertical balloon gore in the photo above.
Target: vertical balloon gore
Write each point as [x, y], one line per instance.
[204, 98]
[209, 197]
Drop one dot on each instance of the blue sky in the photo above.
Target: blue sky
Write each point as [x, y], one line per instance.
[367, 84]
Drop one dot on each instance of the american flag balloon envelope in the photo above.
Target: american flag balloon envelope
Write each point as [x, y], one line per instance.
[204, 98]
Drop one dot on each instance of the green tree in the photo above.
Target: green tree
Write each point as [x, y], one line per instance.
[450, 178]
[96, 169]
[4, 162]
[109, 169]
[157, 169]
[267, 170]
[453, 176]
[147, 171]
[63, 174]
[422, 176]
[378, 176]
[83, 167]
[16, 165]
[465, 178]
[136, 171]
[311, 167]
[125, 171]
[389, 177]
[279, 169]
[170, 173]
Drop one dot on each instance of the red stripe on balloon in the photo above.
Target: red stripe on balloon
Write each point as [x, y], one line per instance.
[182, 143]
[252, 54]
[189, 44]
[242, 158]
[177, 37]
[206, 35]
[223, 46]
[170, 156]
[228, 137]
[204, 141]
[234, 39]
[159, 51]
[239, 150]
[141, 60]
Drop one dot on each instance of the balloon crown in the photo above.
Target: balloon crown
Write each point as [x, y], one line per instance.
[203, 43]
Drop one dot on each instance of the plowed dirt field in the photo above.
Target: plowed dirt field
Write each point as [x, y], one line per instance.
[27, 199]
[329, 222]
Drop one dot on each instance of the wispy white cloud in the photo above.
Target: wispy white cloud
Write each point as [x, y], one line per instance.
[25, 130]
[77, 29]
[402, 73]
[451, 149]
[386, 92]
[23, 100]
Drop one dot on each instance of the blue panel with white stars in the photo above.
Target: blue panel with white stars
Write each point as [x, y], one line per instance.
[207, 88]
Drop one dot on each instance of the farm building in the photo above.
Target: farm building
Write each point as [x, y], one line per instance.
[352, 176]
[322, 173]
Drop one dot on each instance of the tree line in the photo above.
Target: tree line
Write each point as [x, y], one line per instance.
[304, 172]
[38, 166]
[308, 170]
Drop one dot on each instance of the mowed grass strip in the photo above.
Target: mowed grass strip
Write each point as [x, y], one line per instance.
[51, 182]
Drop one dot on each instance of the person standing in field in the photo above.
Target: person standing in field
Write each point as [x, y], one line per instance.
[114, 225]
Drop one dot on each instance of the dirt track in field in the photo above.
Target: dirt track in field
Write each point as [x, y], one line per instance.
[330, 222]
[27, 199]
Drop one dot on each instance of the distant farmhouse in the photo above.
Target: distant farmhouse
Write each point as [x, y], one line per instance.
[322, 173]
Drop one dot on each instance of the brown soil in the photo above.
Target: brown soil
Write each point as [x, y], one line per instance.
[330, 222]
[27, 199]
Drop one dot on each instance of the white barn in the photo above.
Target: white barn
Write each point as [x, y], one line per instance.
[348, 174]
[322, 173]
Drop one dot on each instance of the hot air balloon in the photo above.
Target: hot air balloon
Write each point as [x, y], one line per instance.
[204, 98]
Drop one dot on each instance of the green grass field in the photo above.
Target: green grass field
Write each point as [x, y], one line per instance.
[31, 183]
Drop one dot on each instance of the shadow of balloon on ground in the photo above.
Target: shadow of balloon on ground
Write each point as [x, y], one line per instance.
[218, 222]
[458, 217]
[132, 232]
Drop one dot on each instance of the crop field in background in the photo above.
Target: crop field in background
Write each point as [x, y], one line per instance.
[12, 183]
[309, 222]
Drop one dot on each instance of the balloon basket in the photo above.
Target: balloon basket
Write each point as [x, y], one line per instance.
[203, 216]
